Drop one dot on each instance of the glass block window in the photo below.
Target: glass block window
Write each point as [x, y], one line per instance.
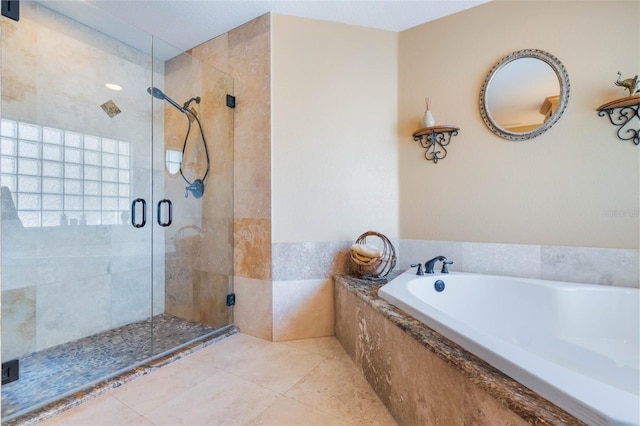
[59, 177]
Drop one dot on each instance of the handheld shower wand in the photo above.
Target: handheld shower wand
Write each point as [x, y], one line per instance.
[158, 94]
[197, 186]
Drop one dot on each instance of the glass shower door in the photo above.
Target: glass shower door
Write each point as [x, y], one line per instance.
[193, 195]
[76, 175]
[105, 263]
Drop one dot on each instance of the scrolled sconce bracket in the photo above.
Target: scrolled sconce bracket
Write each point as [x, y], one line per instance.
[434, 139]
[621, 113]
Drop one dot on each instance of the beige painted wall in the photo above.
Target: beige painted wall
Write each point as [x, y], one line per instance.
[576, 185]
[334, 137]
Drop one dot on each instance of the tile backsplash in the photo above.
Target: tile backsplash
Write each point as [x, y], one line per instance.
[604, 266]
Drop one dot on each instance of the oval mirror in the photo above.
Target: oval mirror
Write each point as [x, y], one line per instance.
[524, 94]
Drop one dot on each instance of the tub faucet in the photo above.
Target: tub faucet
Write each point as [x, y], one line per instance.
[419, 271]
[430, 264]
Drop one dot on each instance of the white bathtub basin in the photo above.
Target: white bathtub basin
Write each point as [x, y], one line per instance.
[576, 345]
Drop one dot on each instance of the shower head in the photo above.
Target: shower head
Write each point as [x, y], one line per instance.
[157, 93]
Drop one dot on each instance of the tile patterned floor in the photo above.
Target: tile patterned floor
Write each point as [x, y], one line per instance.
[243, 380]
[52, 373]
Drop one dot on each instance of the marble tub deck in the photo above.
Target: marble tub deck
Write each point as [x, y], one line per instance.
[66, 375]
[518, 399]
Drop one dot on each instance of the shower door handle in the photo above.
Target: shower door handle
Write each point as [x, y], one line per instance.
[144, 212]
[170, 212]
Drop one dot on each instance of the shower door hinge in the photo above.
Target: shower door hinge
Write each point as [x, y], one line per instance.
[231, 101]
[11, 9]
[231, 299]
[10, 371]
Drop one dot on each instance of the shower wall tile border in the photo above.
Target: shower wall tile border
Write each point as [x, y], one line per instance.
[604, 266]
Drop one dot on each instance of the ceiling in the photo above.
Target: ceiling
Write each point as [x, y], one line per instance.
[187, 23]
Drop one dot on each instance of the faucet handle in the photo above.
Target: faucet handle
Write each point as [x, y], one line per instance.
[419, 271]
[445, 269]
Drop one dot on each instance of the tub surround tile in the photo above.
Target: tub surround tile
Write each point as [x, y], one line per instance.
[603, 266]
[419, 251]
[516, 260]
[618, 267]
[309, 260]
[454, 385]
[298, 260]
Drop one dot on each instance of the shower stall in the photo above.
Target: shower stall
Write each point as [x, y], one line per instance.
[117, 210]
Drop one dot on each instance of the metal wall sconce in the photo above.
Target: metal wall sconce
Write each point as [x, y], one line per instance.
[621, 113]
[434, 139]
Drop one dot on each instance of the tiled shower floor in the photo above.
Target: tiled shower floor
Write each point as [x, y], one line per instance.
[55, 372]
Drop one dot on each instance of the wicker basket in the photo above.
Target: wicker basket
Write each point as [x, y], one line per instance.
[379, 268]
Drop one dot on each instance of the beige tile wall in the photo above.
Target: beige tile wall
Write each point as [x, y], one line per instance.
[282, 291]
[244, 53]
[196, 281]
[274, 310]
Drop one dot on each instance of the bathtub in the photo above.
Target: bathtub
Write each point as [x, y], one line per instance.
[574, 344]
